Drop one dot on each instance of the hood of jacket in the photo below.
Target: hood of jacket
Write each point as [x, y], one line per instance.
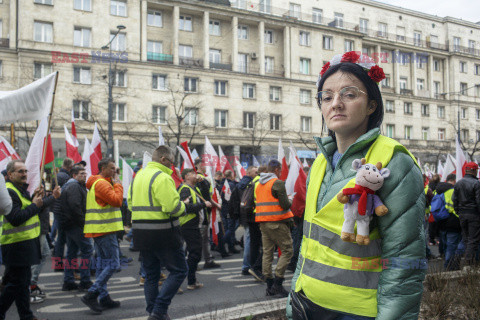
[242, 184]
[91, 180]
[265, 177]
[442, 187]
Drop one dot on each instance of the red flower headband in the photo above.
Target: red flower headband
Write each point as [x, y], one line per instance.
[374, 72]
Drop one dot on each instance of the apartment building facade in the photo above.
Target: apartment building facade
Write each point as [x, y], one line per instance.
[242, 73]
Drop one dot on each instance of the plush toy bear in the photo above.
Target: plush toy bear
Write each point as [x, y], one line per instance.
[361, 202]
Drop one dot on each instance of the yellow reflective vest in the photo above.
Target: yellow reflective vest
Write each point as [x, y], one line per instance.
[329, 276]
[100, 219]
[28, 230]
[155, 202]
[188, 216]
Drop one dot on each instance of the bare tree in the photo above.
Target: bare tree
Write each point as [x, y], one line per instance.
[257, 130]
[471, 146]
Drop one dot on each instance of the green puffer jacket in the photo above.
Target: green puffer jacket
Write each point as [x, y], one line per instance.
[399, 290]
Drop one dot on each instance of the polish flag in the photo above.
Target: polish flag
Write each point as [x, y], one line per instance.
[283, 161]
[187, 164]
[74, 132]
[460, 160]
[188, 154]
[295, 184]
[295, 167]
[127, 177]
[213, 221]
[178, 181]
[440, 168]
[210, 160]
[7, 153]
[226, 190]
[86, 157]
[194, 154]
[238, 168]
[224, 164]
[72, 149]
[449, 167]
[305, 163]
[96, 150]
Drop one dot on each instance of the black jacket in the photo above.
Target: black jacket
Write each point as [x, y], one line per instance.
[452, 223]
[23, 253]
[62, 177]
[237, 197]
[73, 204]
[204, 187]
[226, 204]
[466, 195]
[192, 208]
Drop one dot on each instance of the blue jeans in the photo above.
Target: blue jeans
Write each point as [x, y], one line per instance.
[229, 236]
[107, 262]
[174, 260]
[76, 241]
[442, 246]
[59, 248]
[246, 249]
[452, 241]
[36, 269]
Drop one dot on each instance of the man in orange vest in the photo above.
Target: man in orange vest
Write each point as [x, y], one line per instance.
[274, 216]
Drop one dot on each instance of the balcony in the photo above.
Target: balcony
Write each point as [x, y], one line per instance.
[191, 62]
[159, 57]
[406, 92]
[221, 66]
[465, 50]
[4, 42]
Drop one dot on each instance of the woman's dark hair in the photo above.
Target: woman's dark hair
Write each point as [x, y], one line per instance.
[376, 118]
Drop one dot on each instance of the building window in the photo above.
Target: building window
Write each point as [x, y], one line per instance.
[327, 43]
[221, 118]
[421, 60]
[190, 84]
[268, 36]
[463, 113]
[119, 112]
[154, 47]
[295, 10]
[478, 135]
[476, 69]
[306, 124]
[407, 108]
[85, 5]
[185, 23]
[389, 106]
[215, 56]
[243, 32]
[249, 120]
[433, 41]
[417, 38]
[305, 96]
[118, 8]
[50, 2]
[81, 37]
[471, 46]
[242, 4]
[159, 114]
[403, 83]
[420, 84]
[363, 25]
[477, 114]
[349, 45]
[390, 128]
[304, 38]
[463, 88]
[43, 32]
[80, 110]
[269, 64]
[304, 66]
[425, 134]
[408, 132]
[185, 51]
[220, 87]
[463, 67]
[436, 65]
[456, 44]
[242, 62]
[386, 81]
[154, 18]
[436, 88]
[441, 134]
[464, 135]
[317, 15]
[441, 112]
[82, 75]
[159, 82]
[248, 91]
[191, 116]
[400, 34]
[275, 93]
[40, 70]
[382, 30]
[214, 28]
[338, 19]
[120, 78]
[119, 43]
[266, 6]
[275, 122]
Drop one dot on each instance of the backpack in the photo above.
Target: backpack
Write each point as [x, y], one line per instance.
[247, 203]
[438, 207]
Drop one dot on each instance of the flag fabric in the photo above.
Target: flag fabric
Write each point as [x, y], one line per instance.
[96, 150]
[194, 154]
[86, 157]
[147, 157]
[255, 162]
[49, 156]
[161, 141]
[74, 131]
[213, 220]
[227, 192]
[7, 153]
[238, 168]
[188, 154]
[300, 192]
[35, 155]
[223, 161]
[187, 164]
[32, 102]
[178, 181]
[282, 160]
[211, 154]
[72, 149]
[127, 177]
[305, 163]
[440, 168]
[449, 167]
[460, 160]
[294, 172]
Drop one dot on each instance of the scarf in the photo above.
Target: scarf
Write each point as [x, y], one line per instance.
[364, 192]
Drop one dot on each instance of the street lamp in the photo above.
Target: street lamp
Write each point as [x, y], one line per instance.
[110, 98]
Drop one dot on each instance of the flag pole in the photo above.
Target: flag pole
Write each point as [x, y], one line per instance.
[42, 165]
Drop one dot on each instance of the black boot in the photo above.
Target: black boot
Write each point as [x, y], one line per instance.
[108, 303]
[280, 291]
[90, 299]
[270, 291]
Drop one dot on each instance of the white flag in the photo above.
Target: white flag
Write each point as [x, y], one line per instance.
[440, 168]
[293, 173]
[186, 161]
[86, 157]
[226, 190]
[34, 157]
[255, 162]
[127, 177]
[29, 103]
[161, 141]
[449, 167]
[194, 154]
[459, 159]
[147, 157]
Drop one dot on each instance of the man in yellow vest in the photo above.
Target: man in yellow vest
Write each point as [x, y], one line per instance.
[103, 219]
[20, 239]
[156, 207]
[274, 215]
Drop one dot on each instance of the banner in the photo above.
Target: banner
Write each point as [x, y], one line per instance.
[29, 103]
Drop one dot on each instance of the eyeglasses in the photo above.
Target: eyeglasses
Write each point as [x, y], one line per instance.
[22, 171]
[347, 95]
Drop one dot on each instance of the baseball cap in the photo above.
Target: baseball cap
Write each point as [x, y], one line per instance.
[83, 163]
[471, 166]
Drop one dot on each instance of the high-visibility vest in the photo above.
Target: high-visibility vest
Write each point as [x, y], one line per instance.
[268, 207]
[189, 216]
[427, 209]
[100, 219]
[28, 230]
[449, 202]
[147, 210]
[328, 276]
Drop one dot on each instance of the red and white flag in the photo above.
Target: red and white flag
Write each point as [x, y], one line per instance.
[96, 150]
[239, 169]
[189, 155]
[460, 160]
[295, 168]
[74, 131]
[449, 167]
[72, 149]
[7, 153]
[210, 160]
[214, 221]
[187, 164]
[283, 161]
[227, 192]
[178, 180]
[86, 157]
[223, 161]
[127, 177]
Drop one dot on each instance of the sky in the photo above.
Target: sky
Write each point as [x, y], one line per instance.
[464, 9]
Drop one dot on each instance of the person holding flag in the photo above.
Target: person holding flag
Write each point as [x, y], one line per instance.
[229, 221]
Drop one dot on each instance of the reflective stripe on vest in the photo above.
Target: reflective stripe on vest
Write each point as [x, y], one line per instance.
[333, 271]
[449, 203]
[188, 216]
[28, 230]
[100, 219]
[267, 207]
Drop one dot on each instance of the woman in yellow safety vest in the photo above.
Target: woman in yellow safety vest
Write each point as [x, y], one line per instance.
[340, 280]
